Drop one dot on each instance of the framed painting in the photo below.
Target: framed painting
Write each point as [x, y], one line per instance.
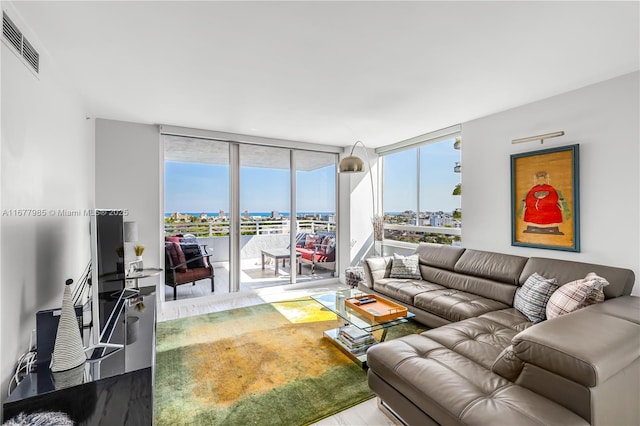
[545, 209]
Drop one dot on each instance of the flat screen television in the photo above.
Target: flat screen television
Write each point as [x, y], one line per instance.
[107, 272]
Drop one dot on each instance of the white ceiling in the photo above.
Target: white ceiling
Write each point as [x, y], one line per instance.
[329, 72]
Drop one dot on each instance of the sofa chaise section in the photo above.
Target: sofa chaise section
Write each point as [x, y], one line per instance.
[495, 366]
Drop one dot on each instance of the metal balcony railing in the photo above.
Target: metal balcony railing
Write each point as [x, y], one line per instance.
[257, 227]
[415, 234]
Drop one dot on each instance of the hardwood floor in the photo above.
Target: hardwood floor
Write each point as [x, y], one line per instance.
[366, 413]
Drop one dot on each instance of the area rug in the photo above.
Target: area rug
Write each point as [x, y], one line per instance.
[266, 364]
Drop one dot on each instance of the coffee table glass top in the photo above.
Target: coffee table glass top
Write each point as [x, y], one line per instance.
[334, 301]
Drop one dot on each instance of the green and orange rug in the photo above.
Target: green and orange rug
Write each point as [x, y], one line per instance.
[259, 365]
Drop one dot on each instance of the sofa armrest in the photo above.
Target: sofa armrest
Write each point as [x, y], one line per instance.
[586, 346]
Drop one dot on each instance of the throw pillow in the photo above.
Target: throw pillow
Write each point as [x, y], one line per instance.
[328, 244]
[576, 295]
[531, 299]
[405, 267]
[174, 251]
[193, 253]
[311, 241]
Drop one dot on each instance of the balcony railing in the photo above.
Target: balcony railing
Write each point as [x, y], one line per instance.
[259, 227]
[392, 232]
[415, 234]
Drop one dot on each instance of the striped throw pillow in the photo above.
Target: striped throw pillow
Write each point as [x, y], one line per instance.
[405, 267]
[531, 299]
[576, 295]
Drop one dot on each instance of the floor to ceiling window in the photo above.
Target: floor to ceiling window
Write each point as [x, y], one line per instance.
[285, 202]
[265, 200]
[316, 213]
[422, 192]
[197, 204]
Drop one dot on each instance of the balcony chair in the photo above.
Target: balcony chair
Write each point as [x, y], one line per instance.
[186, 261]
[317, 250]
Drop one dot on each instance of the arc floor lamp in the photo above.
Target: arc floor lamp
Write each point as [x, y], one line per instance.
[353, 164]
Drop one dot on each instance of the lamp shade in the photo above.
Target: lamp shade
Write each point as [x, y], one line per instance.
[351, 164]
[130, 232]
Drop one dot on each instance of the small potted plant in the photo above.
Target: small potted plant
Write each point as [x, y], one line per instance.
[139, 249]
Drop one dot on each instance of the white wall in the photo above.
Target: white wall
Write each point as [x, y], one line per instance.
[46, 163]
[128, 170]
[603, 119]
[356, 211]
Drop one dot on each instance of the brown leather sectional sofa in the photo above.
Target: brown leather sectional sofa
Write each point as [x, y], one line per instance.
[486, 363]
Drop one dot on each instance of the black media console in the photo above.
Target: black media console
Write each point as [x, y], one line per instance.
[114, 389]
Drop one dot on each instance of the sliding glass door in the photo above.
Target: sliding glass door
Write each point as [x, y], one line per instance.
[316, 213]
[265, 200]
[196, 209]
[266, 214]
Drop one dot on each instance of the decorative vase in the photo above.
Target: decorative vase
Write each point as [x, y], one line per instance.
[68, 351]
[140, 265]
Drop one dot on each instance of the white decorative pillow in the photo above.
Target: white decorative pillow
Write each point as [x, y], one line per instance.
[576, 294]
[405, 267]
[531, 299]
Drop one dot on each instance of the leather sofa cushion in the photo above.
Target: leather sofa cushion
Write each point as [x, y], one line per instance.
[404, 289]
[515, 405]
[484, 287]
[627, 308]
[620, 280]
[565, 346]
[510, 318]
[478, 339]
[456, 390]
[439, 256]
[430, 375]
[505, 268]
[455, 305]
[507, 364]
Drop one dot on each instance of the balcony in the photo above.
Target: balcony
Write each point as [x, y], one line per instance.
[256, 235]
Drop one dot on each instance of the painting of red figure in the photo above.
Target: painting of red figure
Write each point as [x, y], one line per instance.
[543, 196]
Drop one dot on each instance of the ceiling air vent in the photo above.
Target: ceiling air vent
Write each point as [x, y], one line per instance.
[14, 37]
[11, 32]
[30, 54]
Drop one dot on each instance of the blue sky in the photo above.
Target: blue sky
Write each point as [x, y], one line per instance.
[197, 187]
[437, 179]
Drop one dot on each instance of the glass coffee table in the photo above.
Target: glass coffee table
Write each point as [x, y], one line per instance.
[357, 334]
